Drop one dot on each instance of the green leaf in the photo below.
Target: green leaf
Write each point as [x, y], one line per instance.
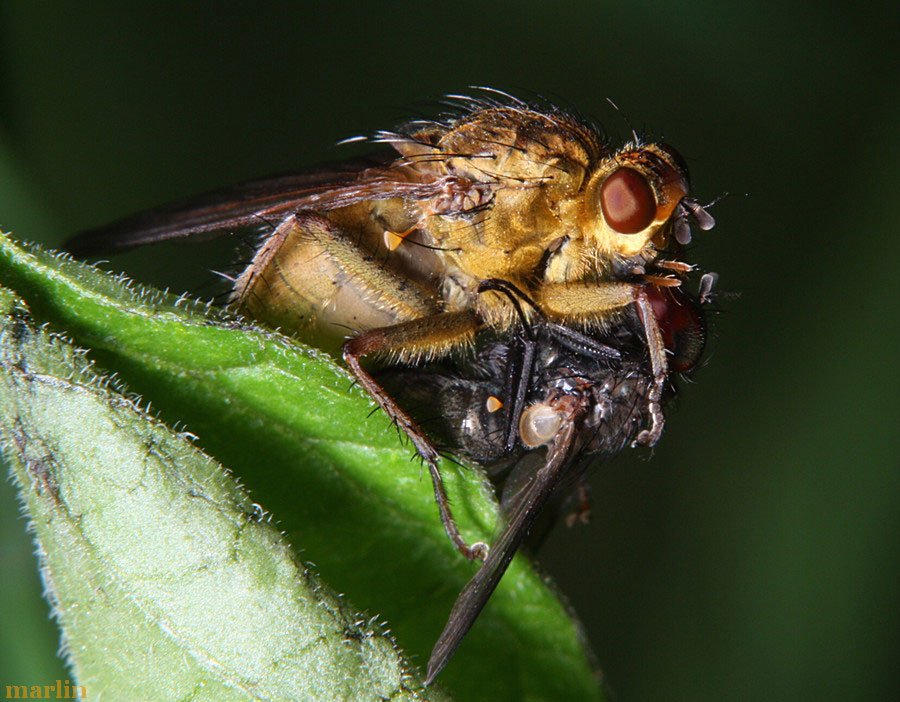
[167, 580]
[287, 420]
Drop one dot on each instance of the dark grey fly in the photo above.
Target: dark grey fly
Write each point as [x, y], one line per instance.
[536, 407]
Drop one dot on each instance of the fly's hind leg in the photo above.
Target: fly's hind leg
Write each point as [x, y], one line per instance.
[410, 340]
[338, 281]
[312, 277]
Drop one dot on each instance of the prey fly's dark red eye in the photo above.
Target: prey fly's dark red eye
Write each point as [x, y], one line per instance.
[681, 324]
[627, 201]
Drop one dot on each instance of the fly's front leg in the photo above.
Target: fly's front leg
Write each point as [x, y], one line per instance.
[658, 365]
[593, 302]
[408, 341]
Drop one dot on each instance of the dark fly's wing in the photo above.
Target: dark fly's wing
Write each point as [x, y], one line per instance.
[479, 589]
[517, 482]
[516, 487]
[254, 204]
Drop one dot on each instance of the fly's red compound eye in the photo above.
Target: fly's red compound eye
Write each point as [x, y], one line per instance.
[681, 324]
[627, 201]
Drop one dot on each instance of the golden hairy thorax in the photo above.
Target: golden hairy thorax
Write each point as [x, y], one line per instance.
[515, 194]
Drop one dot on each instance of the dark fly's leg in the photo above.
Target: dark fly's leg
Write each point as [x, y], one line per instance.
[582, 344]
[519, 368]
[520, 361]
[410, 340]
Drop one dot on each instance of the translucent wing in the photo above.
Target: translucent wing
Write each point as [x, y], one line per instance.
[257, 203]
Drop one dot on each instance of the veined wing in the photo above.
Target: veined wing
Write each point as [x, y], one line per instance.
[257, 203]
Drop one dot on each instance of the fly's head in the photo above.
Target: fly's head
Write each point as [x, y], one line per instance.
[635, 202]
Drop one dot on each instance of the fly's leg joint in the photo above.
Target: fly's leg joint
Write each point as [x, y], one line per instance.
[478, 550]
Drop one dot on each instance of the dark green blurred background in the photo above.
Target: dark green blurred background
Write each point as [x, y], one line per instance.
[757, 555]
